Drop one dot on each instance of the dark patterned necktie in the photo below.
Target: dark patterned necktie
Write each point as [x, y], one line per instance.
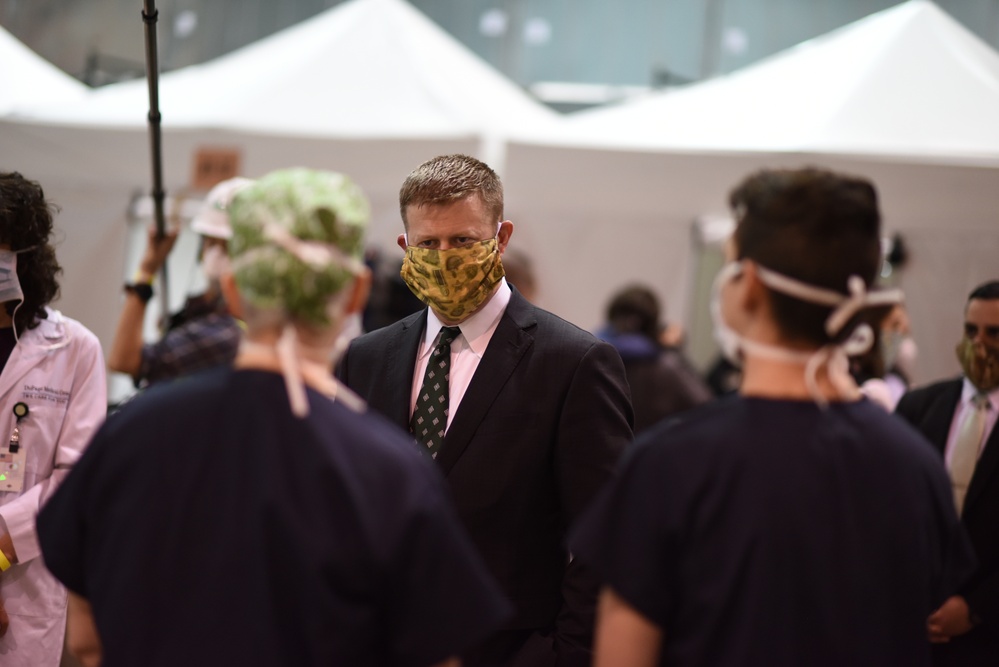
[430, 416]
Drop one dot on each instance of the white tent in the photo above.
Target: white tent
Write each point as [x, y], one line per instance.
[27, 80]
[909, 81]
[371, 88]
[363, 69]
[906, 97]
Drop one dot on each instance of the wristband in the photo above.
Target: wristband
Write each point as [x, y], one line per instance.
[4, 562]
[144, 291]
[142, 278]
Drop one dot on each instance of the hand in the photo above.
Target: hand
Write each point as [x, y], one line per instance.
[157, 250]
[672, 335]
[4, 619]
[952, 619]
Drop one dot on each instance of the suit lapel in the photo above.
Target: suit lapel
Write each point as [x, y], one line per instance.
[506, 348]
[940, 415]
[401, 362]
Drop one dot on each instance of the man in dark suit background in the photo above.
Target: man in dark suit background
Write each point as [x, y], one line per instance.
[537, 409]
[958, 416]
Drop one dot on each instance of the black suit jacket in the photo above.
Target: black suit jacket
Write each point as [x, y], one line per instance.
[538, 432]
[931, 410]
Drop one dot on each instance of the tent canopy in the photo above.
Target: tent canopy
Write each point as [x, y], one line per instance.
[371, 88]
[27, 80]
[905, 82]
[906, 97]
[363, 69]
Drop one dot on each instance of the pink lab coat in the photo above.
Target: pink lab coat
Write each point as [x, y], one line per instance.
[57, 369]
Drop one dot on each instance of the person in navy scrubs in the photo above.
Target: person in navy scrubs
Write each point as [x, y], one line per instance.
[795, 523]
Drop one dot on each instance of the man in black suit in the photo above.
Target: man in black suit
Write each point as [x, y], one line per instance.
[958, 416]
[536, 413]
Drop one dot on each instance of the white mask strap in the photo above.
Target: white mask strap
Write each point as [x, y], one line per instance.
[846, 306]
[316, 254]
[292, 371]
[833, 356]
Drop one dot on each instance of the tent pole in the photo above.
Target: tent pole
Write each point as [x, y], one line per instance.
[149, 16]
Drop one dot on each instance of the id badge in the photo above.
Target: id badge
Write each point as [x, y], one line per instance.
[12, 469]
[13, 457]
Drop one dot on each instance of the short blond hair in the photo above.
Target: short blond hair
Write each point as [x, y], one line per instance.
[450, 178]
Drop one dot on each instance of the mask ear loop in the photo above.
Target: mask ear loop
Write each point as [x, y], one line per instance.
[835, 356]
[21, 302]
[13, 321]
[292, 372]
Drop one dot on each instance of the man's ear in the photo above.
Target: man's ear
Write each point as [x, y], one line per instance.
[503, 235]
[753, 293]
[233, 301]
[359, 291]
[401, 242]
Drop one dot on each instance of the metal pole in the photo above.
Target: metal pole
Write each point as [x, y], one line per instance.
[149, 17]
[713, 15]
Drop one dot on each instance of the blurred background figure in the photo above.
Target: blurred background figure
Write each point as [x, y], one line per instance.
[662, 380]
[390, 299]
[879, 372]
[53, 392]
[723, 377]
[204, 333]
[519, 269]
[900, 351]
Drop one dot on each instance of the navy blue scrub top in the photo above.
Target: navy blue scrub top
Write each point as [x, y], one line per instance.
[207, 525]
[772, 532]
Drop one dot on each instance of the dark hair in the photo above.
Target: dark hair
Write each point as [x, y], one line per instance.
[450, 178]
[635, 309]
[986, 291]
[871, 363]
[26, 225]
[813, 225]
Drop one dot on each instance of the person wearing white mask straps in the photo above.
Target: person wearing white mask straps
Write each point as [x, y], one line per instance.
[875, 369]
[899, 352]
[795, 523]
[204, 333]
[53, 396]
[260, 515]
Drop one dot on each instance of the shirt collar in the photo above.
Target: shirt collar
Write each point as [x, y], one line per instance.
[477, 328]
[969, 390]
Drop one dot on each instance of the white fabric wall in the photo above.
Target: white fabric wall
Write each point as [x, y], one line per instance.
[596, 220]
[592, 220]
[93, 175]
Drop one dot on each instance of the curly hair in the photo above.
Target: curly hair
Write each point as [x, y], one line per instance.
[25, 227]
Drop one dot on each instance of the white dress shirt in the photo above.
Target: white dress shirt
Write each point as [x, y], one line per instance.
[466, 350]
[968, 392]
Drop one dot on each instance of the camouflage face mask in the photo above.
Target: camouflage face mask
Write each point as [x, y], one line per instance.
[980, 364]
[453, 282]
